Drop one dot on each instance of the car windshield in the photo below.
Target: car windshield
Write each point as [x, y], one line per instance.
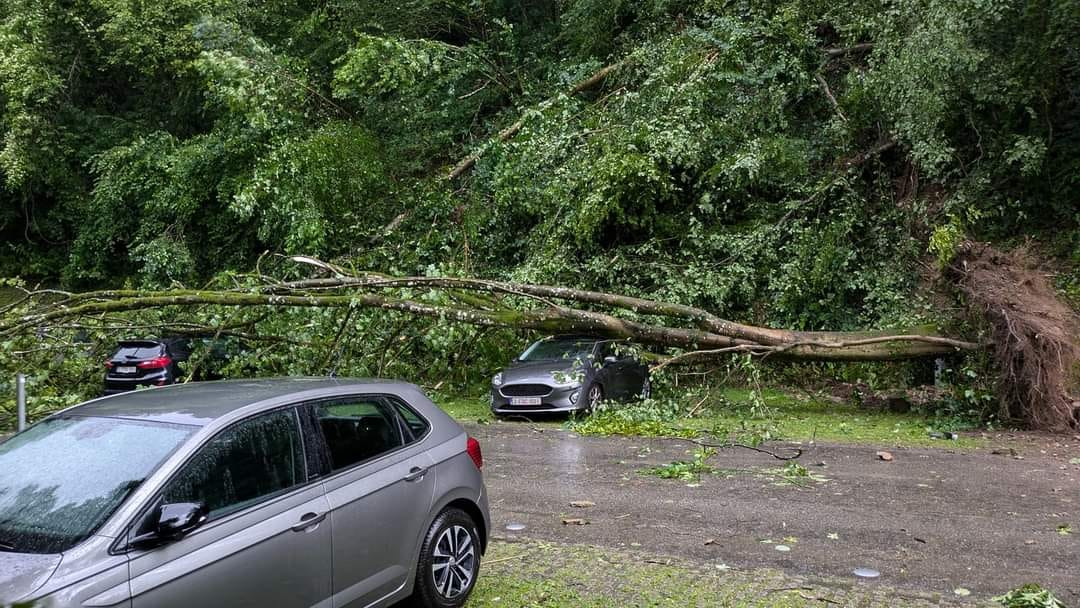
[547, 350]
[61, 478]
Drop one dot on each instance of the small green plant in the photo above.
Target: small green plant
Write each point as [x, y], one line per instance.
[969, 400]
[684, 470]
[746, 433]
[758, 407]
[1029, 596]
[945, 240]
[795, 474]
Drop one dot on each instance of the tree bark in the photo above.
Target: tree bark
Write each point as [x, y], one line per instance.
[863, 47]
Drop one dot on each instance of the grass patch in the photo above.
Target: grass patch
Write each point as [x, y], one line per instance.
[546, 575]
[464, 409]
[807, 418]
[770, 414]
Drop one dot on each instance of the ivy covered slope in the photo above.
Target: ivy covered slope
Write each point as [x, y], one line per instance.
[797, 164]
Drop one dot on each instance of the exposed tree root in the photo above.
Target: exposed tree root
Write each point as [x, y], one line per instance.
[1034, 334]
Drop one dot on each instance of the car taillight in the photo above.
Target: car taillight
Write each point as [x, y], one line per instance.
[154, 363]
[472, 446]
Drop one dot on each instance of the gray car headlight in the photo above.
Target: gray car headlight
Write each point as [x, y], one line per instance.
[497, 380]
[565, 380]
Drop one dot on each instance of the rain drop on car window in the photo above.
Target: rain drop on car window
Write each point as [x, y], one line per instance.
[62, 478]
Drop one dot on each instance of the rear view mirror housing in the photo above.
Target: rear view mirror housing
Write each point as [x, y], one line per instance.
[171, 522]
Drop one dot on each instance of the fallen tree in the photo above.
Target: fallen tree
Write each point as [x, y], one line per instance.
[1033, 334]
[698, 333]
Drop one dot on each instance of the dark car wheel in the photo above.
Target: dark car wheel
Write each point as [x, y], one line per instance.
[594, 395]
[646, 388]
[449, 562]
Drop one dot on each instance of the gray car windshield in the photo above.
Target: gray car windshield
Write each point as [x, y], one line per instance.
[549, 350]
[63, 477]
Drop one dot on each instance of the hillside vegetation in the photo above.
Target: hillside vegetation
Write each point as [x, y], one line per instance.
[801, 164]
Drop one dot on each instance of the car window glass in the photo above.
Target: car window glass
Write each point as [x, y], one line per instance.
[138, 351]
[357, 430]
[549, 350]
[64, 476]
[416, 425]
[245, 463]
[318, 460]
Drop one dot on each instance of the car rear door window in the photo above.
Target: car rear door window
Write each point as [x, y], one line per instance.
[243, 465]
[415, 426]
[357, 429]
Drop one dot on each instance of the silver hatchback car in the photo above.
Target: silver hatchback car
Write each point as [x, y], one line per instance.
[283, 493]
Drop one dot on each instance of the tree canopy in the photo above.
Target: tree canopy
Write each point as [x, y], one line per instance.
[792, 163]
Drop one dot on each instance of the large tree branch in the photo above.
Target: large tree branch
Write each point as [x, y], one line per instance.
[704, 320]
[863, 47]
[710, 335]
[548, 320]
[591, 82]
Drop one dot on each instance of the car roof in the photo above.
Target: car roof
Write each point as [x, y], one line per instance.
[200, 403]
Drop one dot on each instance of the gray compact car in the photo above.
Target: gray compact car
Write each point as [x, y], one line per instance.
[568, 373]
[282, 493]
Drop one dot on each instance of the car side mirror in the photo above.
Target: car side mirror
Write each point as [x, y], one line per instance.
[173, 522]
[610, 359]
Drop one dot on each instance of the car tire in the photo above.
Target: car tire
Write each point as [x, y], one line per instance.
[646, 388]
[593, 396]
[449, 553]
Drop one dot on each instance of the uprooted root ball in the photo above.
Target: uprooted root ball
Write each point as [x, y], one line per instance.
[1034, 333]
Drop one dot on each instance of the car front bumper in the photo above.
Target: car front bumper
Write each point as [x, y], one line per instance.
[560, 399]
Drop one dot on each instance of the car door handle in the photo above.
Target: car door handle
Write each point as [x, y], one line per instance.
[415, 474]
[309, 520]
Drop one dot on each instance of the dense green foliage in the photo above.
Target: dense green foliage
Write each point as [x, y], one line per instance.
[160, 142]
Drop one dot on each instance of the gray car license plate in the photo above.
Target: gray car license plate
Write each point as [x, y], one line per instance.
[125, 369]
[525, 401]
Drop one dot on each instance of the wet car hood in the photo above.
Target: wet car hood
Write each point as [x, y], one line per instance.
[541, 371]
[23, 573]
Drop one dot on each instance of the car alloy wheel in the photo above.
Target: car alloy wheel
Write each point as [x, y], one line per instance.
[454, 564]
[594, 396]
[449, 562]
